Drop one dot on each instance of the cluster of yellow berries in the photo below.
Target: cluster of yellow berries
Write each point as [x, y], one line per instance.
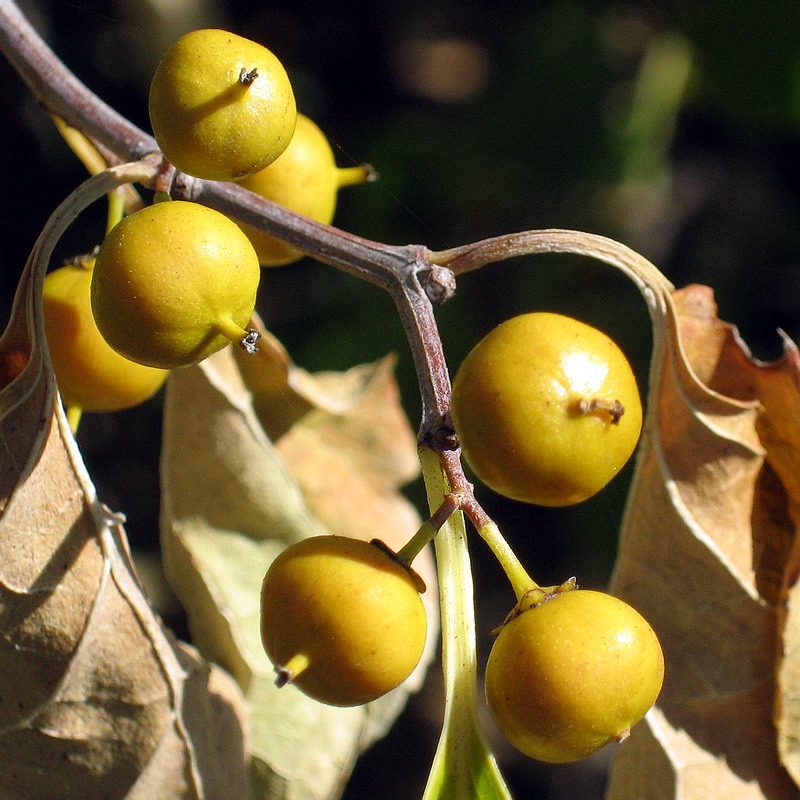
[176, 281]
[546, 410]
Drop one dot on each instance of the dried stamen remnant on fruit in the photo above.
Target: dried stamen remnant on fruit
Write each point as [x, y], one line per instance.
[341, 620]
[572, 673]
[613, 408]
[246, 77]
[546, 409]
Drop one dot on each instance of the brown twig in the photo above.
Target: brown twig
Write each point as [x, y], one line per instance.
[415, 277]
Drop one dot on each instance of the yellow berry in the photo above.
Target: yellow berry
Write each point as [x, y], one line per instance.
[173, 283]
[572, 674]
[341, 619]
[91, 375]
[305, 179]
[546, 409]
[221, 106]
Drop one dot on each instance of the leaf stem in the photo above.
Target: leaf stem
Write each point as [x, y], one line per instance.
[463, 767]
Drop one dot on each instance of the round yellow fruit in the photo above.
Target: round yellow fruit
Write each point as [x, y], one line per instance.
[546, 409]
[341, 619]
[572, 674]
[305, 179]
[173, 283]
[91, 375]
[221, 106]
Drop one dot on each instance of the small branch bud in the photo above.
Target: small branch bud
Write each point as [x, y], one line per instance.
[439, 284]
[440, 436]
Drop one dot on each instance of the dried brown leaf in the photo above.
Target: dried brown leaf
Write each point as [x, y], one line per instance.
[233, 500]
[98, 699]
[707, 553]
[359, 409]
[348, 447]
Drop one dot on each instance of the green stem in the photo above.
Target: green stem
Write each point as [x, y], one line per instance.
[521, 581]
[418, 541]
[429, 529]
[463, 767]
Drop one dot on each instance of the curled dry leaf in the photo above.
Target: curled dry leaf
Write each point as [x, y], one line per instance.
[233, 498]
[709, 554]
[98, 699]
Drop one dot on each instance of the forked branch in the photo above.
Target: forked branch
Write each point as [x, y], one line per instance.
[414, 276]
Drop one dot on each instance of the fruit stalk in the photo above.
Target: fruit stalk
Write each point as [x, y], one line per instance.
[429, 529]
[521, 582]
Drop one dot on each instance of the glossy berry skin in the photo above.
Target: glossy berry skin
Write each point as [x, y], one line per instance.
[349, 610]
[536, 406]
[91, 375]
[174, 283]
[305, 179]
[568, 676]
[221, 106]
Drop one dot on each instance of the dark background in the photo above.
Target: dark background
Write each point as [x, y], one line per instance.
[482, 118]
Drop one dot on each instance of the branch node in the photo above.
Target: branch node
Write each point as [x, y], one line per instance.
[439, 284]
[164, 180]
[439, 435]
[183, 186]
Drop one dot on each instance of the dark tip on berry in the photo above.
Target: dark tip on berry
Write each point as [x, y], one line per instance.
[249, 342]
[283, 676]
[246, 77]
